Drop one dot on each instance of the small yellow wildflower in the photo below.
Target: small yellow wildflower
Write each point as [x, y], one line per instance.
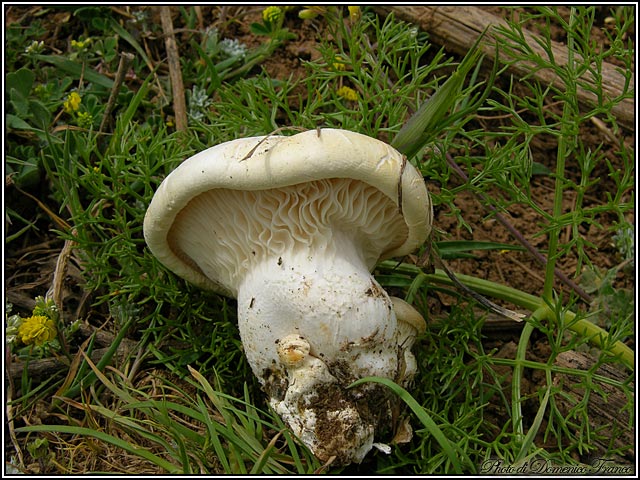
[339, 65]
[354, 13]
[37, 329]
[85, 119]
[347, 93]
[72, 103]
[80, 44]
[272, 14]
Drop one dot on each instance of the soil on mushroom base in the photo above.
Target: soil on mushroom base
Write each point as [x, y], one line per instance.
[375, 406]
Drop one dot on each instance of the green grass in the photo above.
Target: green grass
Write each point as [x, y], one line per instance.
[186, 401]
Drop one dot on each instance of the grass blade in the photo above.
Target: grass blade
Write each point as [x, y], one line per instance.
[452, 247]
[90, 377]
[213, 429]
[533, 430]
[260, 465]
[420, 128]
[125, 35]
[75, 69]
[105, 437]
[448, 447]
[127, 117]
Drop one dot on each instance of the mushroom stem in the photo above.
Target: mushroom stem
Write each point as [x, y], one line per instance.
[312, 321]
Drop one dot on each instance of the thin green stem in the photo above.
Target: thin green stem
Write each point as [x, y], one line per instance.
[484, 287]
[516, 394]
[565, 139]
[581, 326]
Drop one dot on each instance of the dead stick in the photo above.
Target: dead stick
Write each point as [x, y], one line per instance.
[10, 416]
[55, 291]
[437, 261]
[125, 61]
[458, 27]
[175, 72]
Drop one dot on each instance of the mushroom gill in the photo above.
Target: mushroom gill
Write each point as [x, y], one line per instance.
[239, 228]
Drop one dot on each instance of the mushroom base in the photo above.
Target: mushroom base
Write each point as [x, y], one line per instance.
[335, 422]
[312, 322]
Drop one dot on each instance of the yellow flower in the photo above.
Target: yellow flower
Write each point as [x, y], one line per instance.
[271, 14]
[339, 65]
[72, 103]
[80, 44]
[347, 93]
[354, 13]
[37, 329]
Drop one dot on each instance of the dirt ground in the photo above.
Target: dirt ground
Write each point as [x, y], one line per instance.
[516, 269]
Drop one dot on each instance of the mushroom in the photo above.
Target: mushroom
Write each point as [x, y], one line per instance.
[292, 227]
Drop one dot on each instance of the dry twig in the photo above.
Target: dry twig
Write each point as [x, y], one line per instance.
[125, 61]
[175, 72]
[457, 28]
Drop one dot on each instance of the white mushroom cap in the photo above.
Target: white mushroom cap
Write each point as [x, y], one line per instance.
[198, 189]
